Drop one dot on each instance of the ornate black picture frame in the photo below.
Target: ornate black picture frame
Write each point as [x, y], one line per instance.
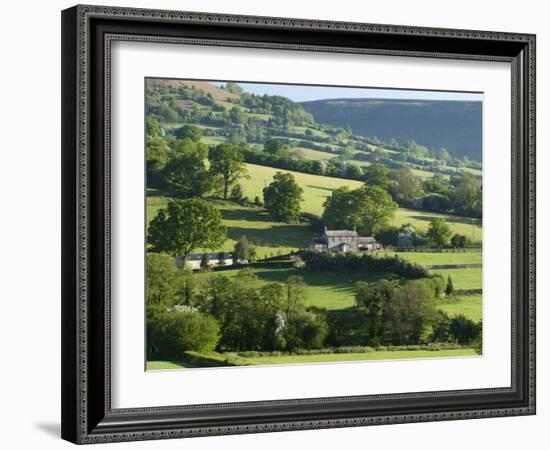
[87, 34]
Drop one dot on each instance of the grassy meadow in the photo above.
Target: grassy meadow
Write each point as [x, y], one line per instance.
[316, 187]
[330, 290]
[463, 278]
[468, 305]
[434, 258]
[272, 237]
[337, 290]
[421, 220]
[269, 237]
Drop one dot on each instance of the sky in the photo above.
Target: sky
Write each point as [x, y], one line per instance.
[302, 93]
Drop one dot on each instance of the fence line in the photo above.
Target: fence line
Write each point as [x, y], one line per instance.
[436, 250]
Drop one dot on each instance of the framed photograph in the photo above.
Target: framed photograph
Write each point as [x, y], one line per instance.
[280, 224]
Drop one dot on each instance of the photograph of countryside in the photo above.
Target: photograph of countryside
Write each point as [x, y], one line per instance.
[296, 224]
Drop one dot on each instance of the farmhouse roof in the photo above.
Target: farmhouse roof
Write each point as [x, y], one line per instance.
[340, 233]
[367, 240]
[198, 256]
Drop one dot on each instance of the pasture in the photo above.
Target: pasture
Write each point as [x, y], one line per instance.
[436, 258]
[470, 306]
[330, 290]
[368, 356]
[314, 155]
[317, 188]
[463, 278]
[333, 290]
[270, 238]
[471, 228]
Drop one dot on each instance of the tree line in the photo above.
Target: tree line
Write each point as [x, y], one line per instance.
[216, 312]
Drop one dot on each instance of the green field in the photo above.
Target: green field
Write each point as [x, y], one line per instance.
[331, 357]
[316, 188]
[270, 238]
[424, 173]
[435, 258]
[213, 140]
[476, 172]
[315, 155]
[361, 163]
[470, 306]
[463, 278]
[458, 224]
[337, 290]
[371, 356]
[168, 365]
[315, 132]
[328, 290]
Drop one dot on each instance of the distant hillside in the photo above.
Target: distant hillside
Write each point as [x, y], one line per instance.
[205, 86]
[455, 125]
[229, 114]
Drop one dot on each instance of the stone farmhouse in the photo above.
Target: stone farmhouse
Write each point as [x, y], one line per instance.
[344, 241]
[194, 260]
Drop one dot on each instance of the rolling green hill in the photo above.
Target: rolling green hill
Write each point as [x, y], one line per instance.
[272, 237]
[317, 188]
[455, 125]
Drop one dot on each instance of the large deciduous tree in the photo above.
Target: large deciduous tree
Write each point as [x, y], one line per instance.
[282, 198]
[157, 153]
[466, 195]
[368, 209]
[184, 226]
[405, 186]
[411, 310]
[174, 332]
[189, 132]
[464, 330]
[439, 234]
[376, 175]
[162, 276]
[244, 250]
[395, 312]
[274, 146]
[186, 174]
[227, 162]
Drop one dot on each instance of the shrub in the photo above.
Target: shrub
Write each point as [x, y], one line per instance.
[307, 330]
[449, 289]
[459, 241]
[244, 250]
[464, 330]
[438, 284]
[174, 332]
[388, 235]
[237, 193]
[349, 262]
[189, 132]
[440, 327]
